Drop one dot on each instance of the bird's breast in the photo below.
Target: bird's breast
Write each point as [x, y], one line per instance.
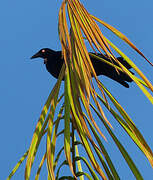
[54, 67]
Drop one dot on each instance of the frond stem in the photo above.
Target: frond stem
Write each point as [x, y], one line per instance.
[73, 149]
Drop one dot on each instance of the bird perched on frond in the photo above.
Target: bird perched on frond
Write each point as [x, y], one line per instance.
[54, 61]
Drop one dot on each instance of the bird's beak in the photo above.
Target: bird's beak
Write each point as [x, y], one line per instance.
[35, 56]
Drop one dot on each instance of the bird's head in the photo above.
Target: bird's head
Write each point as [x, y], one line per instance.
[44, 53]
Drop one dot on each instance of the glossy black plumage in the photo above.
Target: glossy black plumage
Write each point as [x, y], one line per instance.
[53, 61]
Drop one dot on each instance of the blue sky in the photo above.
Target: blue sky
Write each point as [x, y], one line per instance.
[27, 26]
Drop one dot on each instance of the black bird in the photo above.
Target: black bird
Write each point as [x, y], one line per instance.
[54, 61]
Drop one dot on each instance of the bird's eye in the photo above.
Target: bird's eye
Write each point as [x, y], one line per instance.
[43, 51]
